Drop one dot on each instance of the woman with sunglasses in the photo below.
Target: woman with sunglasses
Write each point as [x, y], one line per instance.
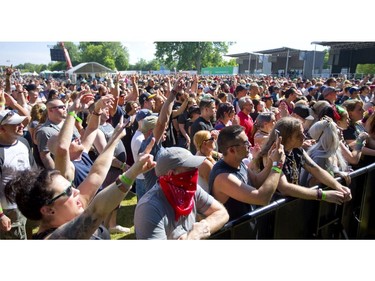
[352, 156]
[205, 145]
[65, 212]
[291, 131]
[355, 128]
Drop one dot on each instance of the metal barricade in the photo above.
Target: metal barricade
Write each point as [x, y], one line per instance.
[292, 218]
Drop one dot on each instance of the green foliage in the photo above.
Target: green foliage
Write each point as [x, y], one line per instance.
[366, 68]
[191, 55]
[111, 54]
[143, 65]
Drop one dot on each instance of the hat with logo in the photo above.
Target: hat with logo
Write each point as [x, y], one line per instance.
[145, 96]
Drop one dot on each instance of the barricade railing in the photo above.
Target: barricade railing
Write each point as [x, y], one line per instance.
[293, 218]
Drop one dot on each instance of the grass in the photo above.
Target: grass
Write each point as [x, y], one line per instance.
[125, 216]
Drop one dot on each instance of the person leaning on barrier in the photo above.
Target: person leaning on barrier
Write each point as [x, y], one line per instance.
[65, 212]
[291, 131]
[169, 210]
[236, 186]
[326, 152]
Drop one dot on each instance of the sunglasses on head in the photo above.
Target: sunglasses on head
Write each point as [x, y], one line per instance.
[68, 192]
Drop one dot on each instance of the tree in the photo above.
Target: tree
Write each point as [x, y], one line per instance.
[191, 55]
[366, 68]
[111, 54]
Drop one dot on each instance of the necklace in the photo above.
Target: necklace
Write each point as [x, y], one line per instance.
[293, 171]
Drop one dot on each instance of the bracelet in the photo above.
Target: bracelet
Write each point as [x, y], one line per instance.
[2, 103]
[278, 164]
[324, 196]
[1, 215]
[123, 165]
[276, 169]
[319, 194]
[72, 113]
[97, 114]
[125, 180]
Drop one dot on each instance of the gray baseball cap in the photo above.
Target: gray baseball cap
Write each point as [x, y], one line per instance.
[173, 157]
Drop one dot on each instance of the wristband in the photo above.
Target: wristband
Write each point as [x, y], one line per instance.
[324, 196]
[2, 103]
[319, 194]
[1, 215]
[276, 169]
[71, 113]
[278, 164]
[125, 180]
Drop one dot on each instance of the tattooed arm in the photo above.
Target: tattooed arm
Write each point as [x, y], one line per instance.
[324, 177]
[83, 226]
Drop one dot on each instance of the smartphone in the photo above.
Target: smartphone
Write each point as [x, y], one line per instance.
[277, 132]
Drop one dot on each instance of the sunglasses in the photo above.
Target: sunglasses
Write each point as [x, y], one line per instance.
[210, 139]
[59, 107]
[8, 115]
[68, 192]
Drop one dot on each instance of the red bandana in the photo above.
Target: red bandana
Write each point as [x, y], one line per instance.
[180, 190]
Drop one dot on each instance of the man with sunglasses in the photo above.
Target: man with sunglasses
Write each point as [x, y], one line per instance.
[15, 155]
[236, 186]
[56, 111]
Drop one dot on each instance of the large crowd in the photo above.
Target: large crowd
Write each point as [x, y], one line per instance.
[198, 151]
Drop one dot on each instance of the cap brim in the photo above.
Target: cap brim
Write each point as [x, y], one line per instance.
[151, 96]
[193, 161]
[14, 120]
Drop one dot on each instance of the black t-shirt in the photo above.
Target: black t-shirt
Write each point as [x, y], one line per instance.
[199, 124]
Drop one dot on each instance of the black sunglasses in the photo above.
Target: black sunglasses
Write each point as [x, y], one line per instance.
[59, 107]
[210, 139]
[68, 192]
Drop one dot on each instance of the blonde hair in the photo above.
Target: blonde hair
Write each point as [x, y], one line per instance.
[200, 137]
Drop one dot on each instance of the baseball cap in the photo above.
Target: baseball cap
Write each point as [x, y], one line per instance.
[142, 114]
[9, 117]
[303, 111]
[145, 96]
[329, 90]
[241, 88]
[311, 88]
[172, 157]
[353, 89]
[148, 123]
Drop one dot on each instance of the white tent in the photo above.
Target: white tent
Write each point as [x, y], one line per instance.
[88, 68]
